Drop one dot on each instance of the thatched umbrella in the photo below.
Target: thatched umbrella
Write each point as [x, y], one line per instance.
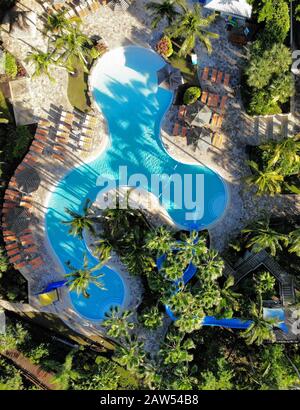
[18, 219]
[121, 5]
[169, 77]
[28, 180]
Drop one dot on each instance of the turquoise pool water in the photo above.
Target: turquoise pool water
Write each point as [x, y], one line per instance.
[124, 85]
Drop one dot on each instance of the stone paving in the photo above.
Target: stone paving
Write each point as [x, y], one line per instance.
[133, 27]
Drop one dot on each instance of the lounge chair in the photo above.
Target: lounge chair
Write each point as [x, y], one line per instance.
[11, 246]
[205, 73]
[41, 138]
[13, 252]
[226, 80]
[219, 77]
[181, 111]
[20, 265]
[36, 262]
[214, 75]
[176, 128]
[58, 157]
[223, 103]
[217, 140]
[204, 96]
[183, 132]
[31, 249]
[14, 259]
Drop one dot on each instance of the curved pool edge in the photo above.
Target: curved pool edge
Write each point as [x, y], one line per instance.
[161, 137]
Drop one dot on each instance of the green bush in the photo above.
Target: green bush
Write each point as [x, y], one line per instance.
[164, 47]
[152, 318]
[191, 95]
[11, 67]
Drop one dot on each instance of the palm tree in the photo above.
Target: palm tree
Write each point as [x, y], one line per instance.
[102, 249]
[190, 26]
[176, 350]
[284, 153]
[76, 45]
[80, 279]
[117, 322]
[131, 355]
[66, 374]
[42, 62]
[2, 119]
[79, 222]
[58, 23]
[160, 240]
[261, 237]
[165, 10]
[210, 267]
[229, 299]
[260, 330]
[294, 237]
[267, 181]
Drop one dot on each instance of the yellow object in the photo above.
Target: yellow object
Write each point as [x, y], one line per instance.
[217, 140]
[48, 298]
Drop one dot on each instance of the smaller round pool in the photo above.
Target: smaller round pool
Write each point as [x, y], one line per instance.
[100, 301]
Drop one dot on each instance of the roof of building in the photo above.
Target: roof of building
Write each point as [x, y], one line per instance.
[234, 7]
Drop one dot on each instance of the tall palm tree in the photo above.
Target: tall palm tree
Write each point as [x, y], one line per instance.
[294, 237]
[262, 236]
[80, 279]
[164, 10]
[260, 330]
[74, 44]
[117, 322]
[229, 299]
[79, 222]
[59, 23]
[190, 26]
[42, 62]
[102, 250]
[268, 181]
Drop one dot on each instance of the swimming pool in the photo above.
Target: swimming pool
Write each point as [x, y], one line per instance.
[124, 86]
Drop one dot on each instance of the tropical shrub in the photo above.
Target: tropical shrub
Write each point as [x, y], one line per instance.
[11, 67]
[152, 318]
[164, 47]
[275, 14]
[191, 95]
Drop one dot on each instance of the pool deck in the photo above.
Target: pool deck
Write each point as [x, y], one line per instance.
[133, 27]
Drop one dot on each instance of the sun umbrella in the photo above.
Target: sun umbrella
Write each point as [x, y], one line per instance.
[18, 219]
[169, 77]
[120, 4]
[28, 180]
[198, 115]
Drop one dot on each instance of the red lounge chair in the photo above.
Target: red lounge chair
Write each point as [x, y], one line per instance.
[31, 249]
[20, 265]
[204, 96]
[11, 246]
[14, 259]
[13, 252]
[182, 111]
[226, 80]
[223, 103]
[214, 75]
[176, 128]
[219, 77]
[58, 157]
[37, 262]
[205, 73]
[183, 132]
